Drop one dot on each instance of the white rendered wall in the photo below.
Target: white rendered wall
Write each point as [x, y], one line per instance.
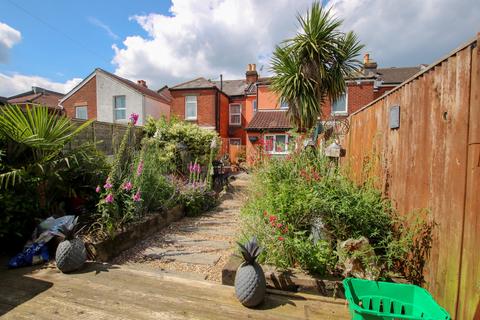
[107, 88]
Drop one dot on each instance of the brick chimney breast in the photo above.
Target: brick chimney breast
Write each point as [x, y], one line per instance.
[251, 75]
[143, 83]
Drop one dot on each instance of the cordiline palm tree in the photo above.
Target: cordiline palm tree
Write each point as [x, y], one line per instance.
[311, 67]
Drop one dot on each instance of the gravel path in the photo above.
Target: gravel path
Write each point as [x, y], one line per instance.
[194, 247]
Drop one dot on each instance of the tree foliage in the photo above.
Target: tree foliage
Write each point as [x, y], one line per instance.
[311, 68]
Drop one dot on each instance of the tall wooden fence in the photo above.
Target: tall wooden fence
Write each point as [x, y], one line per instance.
[107, 135]
[432, 161]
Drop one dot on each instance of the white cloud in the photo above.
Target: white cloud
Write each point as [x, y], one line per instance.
[409, 32]
[206, 38]
[96, 22]
[8, 38]
[18, 83]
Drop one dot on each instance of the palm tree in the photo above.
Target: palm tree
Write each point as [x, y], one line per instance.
[33, 143]
[311, 67]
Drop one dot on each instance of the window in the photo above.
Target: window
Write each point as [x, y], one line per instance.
[191, 108]
[283, 105]
[120, 108]
[339, 106]
[81, 112]
[255, 108]
[235, 141]
[276, 143]
[235, 114]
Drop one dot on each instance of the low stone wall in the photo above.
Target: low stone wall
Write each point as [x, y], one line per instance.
[108, 249]
[292, 280]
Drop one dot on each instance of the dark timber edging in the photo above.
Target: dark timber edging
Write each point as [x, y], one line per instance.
[108, 249]
[292, 280]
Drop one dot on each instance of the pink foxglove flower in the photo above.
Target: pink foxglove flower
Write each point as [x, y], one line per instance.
[107, 185]
[109, 198]
[128, 186]
[140, 168]
[97, 189]
[134, 118]
[137, 196]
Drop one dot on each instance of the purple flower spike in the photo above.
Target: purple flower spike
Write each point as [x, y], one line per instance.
[109, 198]
[134, 118]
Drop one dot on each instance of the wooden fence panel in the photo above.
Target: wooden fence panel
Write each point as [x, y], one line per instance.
[429, 162]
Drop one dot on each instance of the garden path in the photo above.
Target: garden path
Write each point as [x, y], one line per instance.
[194, 247]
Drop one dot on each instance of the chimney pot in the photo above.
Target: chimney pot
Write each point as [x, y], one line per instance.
[366, 58]
[143, 83]
[254, 67]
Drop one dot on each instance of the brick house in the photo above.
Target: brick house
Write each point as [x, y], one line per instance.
[109, 98]
[246, 112]
[36, 97]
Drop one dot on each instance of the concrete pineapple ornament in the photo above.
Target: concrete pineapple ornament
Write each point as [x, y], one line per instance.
[250, 284]
[71, 253]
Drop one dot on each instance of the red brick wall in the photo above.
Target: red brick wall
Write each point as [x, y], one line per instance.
[86, 95]
[382, 90]
[205, 105]
[359, 95]
[224, 101]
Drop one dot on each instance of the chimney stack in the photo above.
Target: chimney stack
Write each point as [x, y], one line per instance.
[251, 74]
[142, 83]
[367, 63]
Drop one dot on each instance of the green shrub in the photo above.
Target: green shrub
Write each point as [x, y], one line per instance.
[171, 136]
[304, 188]
[197, 198]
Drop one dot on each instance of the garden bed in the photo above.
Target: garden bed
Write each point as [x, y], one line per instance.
[289, 280]
[107, 249]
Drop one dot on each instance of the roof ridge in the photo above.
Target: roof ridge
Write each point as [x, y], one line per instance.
[186, 82]
[139, 88]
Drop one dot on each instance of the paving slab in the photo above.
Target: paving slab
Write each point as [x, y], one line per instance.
[187, 241]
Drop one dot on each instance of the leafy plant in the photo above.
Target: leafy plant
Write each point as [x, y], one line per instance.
[312, 66]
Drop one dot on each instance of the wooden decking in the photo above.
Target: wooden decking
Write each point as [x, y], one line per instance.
[112, 292]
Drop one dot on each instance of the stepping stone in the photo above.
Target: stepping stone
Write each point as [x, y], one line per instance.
[186, 241]
[182, 256]
[209, 230]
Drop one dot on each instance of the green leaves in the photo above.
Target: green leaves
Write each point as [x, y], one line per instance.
[34, 139]
[311, 67]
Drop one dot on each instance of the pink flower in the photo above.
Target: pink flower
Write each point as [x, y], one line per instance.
[285, 230]
[107, 185]
[128, 186]
[273, 218]
[109, 198]
[140, 168]
[197, 168]
[137, 196]
[281, 238]
[279, 225]
[97, 189]
[134, 118]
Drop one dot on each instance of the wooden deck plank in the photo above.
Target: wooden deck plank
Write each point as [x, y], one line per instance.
[122, 293]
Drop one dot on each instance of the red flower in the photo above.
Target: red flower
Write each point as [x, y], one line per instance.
[285, 230]
[279, 225]
[281, 238]
[273, 218]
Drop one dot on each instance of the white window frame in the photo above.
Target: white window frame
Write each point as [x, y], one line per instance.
[282, 104]
[191, 102]
[274, 146]
[235, 139]
[115, 109]
[341, 113]
[230, 114]
[86, 112]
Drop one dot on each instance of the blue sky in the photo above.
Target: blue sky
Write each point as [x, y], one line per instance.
[56, 43]
[65, 39]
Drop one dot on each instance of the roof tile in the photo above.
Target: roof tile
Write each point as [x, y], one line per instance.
[269, 120]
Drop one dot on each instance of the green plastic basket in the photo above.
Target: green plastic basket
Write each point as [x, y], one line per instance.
[375, 300]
